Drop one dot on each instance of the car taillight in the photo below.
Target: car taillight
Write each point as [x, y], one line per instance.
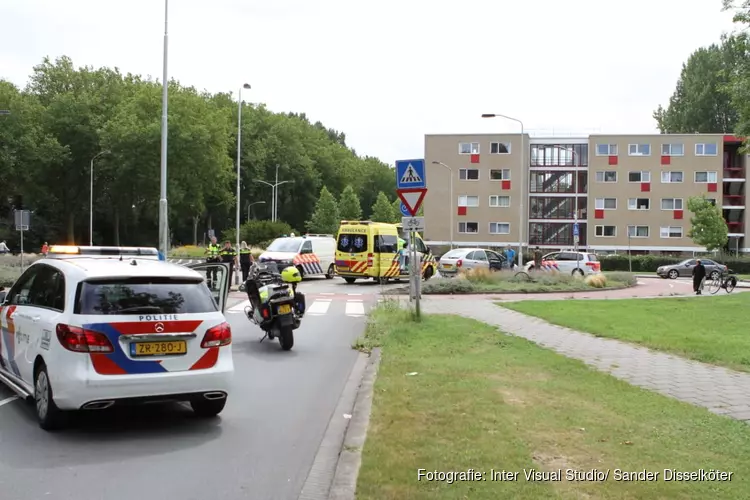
[77, 339]
[594, 265]
[459, 263]
[264, 311]
[217, 336]
[369, 260]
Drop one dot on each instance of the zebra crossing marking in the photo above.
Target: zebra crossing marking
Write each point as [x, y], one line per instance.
[354, 308]
[319, 307]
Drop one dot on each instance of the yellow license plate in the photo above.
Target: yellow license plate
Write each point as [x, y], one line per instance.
[285, 309]
[448, 266]
[167, 348]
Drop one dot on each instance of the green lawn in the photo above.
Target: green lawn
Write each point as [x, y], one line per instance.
[486, 401]
[709, 329]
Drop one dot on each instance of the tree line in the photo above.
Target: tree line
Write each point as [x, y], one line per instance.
[66, 116]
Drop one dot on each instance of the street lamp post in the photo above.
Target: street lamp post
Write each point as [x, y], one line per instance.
[450, 204]
[163, 228]
[523, 182]
[274, 190]
[239, 157]
[251, 204]
[91, 198]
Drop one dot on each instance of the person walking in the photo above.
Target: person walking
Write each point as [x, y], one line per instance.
[699, 276]
[246, 260]
[510, 256]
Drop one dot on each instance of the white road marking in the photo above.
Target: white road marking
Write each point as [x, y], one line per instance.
[319, 307]
[355, 308]
[8, 400]
[327, 293]
[354, 294]
[239, 307]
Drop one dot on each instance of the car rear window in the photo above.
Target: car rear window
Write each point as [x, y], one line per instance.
[144, 295]
[454, 254]
[593, 258]
[352, 242]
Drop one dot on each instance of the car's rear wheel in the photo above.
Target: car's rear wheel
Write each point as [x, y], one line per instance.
[207, 408]
[49, 415]
[577, 273]
[349, 280]
[331, 272]
[673, 274]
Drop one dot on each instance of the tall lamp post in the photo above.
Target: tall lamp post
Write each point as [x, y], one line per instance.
[523, 181]
[163, 227]
[450, 204]
[91, 198]
[251, 204]
[239, 157]
[274, 193]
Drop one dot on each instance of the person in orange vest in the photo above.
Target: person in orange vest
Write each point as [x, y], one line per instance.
[45, 249]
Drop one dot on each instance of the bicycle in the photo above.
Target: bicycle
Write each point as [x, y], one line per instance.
[726, 280]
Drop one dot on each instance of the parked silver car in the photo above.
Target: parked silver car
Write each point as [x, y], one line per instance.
[463, 259]
[568, 262]
[685, 269]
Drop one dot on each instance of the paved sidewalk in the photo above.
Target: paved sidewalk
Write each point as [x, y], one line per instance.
[722, 391]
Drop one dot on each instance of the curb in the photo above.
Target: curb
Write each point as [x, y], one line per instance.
[347, 471]
[321, 477]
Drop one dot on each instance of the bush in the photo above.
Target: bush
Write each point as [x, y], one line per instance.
[626, 278]
[255, 232]
[649, 263]
[596, 280]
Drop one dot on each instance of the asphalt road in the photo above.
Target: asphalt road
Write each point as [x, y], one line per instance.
[262, 446]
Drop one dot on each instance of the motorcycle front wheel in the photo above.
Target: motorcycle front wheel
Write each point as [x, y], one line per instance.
[286, 337]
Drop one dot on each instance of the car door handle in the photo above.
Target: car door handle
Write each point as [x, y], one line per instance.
[35, 318]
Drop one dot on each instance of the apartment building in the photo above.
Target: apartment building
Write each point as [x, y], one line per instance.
[624, 191]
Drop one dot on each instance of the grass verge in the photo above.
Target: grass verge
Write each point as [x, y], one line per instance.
[454, 394]
[484, 281]
[10, 267]
[708, 329]
[198, 252]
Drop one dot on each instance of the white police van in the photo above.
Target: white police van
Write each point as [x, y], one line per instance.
[92, 327]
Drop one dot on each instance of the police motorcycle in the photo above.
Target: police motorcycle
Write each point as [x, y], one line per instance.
[275, 304]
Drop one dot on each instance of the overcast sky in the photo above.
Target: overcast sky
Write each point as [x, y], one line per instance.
[387, 72]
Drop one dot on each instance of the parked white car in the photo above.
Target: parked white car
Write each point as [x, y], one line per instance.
[92, 327]
[567, 262]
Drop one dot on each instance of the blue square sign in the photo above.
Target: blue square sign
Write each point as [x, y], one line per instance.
[410, 174]
[575, 229]
[405, 211]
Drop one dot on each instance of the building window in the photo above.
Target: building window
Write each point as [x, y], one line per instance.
[712, 201]
[670, 232]
[639, 149]
[468, 148]
[639, 204]
[606, 150]
[671, 203]
[670, 177]
[672, 149]
[606, 176]
[638, 231]
[606, 231]
[499, 201]
[468, 201]
[639, 176]
[468, 227]
[468, 174]
[500, 174]
[499, 148]
[499, 228]
[606, 204]
[704, 177]
[709, 149]
[559, 155]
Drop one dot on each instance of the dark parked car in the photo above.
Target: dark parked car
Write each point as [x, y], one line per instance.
[685, 269]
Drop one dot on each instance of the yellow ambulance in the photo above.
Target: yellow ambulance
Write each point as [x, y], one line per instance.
[369, 250]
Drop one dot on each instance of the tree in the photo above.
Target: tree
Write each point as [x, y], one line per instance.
[708, 228]
[382, 210]
[349, 207]
[325, 219]
[702, 100]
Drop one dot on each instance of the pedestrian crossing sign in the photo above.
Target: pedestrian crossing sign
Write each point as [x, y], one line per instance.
[410, 174]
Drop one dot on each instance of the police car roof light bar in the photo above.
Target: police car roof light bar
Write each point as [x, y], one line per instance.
[102, 251]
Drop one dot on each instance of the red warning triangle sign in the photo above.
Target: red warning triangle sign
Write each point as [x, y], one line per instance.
[412, 198]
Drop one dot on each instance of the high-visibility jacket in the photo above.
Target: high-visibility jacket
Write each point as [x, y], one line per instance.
[228, 254]
[213, 252]
[245, 256]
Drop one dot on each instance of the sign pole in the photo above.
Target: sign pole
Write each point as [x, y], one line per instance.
[417, 281]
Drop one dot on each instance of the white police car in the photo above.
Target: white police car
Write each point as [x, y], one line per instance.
[92, 327]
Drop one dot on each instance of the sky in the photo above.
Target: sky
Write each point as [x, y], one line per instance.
[388, 72]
